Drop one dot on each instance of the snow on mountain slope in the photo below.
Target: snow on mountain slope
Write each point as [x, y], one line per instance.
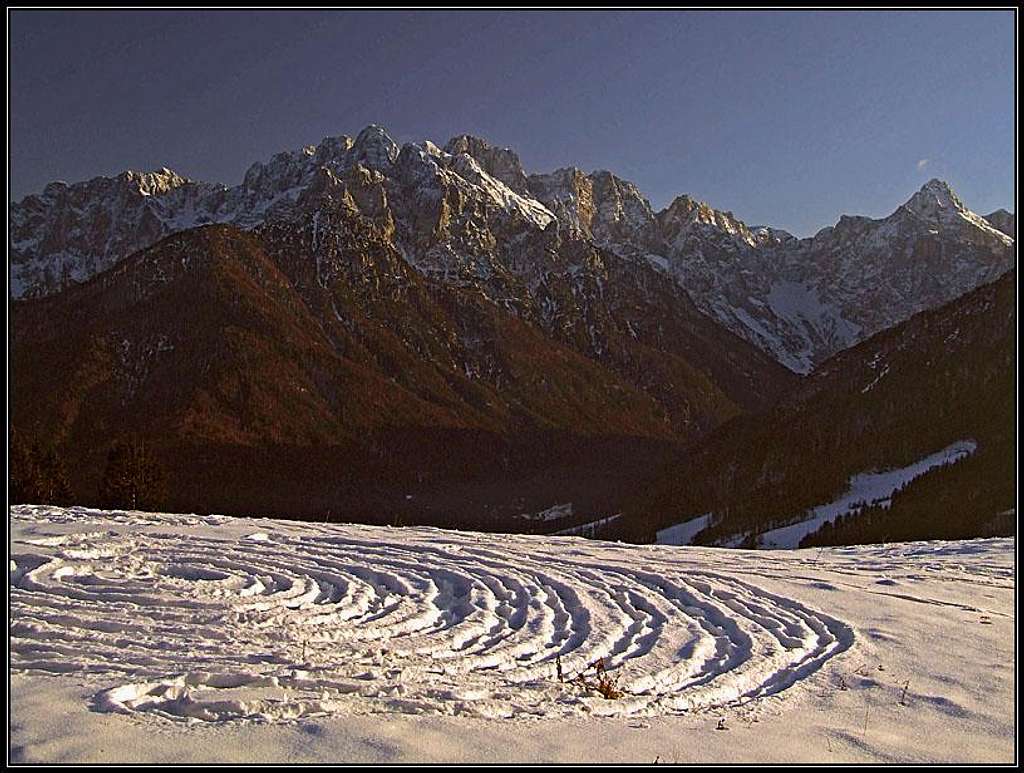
[684, 532]
[803, 300]
[230, 639]
[469, 215]
[871, 488]
[800, 300]
[943, 379]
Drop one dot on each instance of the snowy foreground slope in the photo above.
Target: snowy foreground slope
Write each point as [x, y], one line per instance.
[155, 637]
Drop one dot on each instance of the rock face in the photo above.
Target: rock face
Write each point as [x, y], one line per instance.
[69, 233]
[1004, 221]
[500, 163]
[469, 216]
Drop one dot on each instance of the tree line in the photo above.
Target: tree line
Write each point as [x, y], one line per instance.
[133, 478]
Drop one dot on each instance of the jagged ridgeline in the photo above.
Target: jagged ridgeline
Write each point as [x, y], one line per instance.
[367, 331]
[470, 215]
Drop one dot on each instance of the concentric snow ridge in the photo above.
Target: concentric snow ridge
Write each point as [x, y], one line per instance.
[209, 622]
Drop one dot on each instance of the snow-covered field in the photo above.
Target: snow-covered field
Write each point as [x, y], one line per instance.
[156, 637]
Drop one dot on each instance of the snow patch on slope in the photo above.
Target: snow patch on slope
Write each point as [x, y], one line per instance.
[800, 305]
[683, 533]
[872, 488]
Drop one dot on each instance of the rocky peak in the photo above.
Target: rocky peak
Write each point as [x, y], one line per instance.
[568, 193]
[935, 201]
[621, 213]
[333, 151]
[283, 171]
[938, 206]
[375, 148]
[846, 229]
[767, 236]
[621, 193]
[685, 208]
[686, 218]
[130, 182]
[153, 183]
[54, 189]
[500, 163]
[419, 165]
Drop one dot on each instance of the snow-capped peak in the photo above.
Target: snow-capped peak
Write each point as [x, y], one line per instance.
[936, 203]
[686, 214]
[935, 200]
[152, 183]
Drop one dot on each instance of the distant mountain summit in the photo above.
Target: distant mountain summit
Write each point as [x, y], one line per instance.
[468, 215]
[1004, 221]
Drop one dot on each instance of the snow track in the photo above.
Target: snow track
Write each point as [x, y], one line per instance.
[215, 619]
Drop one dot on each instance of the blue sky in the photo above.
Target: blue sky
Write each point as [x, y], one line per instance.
[785, 118]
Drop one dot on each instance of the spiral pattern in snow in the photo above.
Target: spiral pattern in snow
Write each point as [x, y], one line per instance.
[297, 619]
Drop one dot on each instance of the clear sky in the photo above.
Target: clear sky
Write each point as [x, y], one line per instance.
[785, 118]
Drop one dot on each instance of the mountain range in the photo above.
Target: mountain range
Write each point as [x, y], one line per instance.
[361, 328]
[468, 214]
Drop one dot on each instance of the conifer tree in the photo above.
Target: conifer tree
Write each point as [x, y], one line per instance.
[24, 474]
[37, 473]
[54, 487]
[134, 478]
